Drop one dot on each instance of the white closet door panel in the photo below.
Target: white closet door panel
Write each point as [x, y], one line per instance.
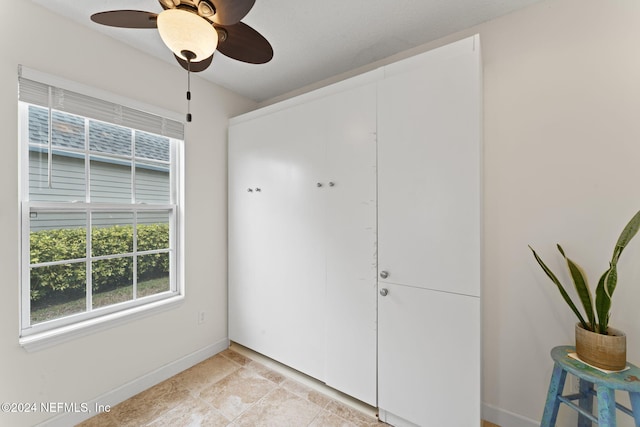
[301, 267]
[278, 309]
[351, 243]
[429, 356]
[429, 176]
[250, 272]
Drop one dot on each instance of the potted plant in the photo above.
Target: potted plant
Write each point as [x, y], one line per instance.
[596, 342]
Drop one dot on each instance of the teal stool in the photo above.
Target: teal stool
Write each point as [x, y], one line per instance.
[607, 384]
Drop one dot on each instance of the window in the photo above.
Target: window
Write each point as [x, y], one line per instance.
[100, 208]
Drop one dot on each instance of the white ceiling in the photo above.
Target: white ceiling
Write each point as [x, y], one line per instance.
[312, 40]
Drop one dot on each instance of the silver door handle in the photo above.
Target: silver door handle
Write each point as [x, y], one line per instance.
[384, 292]
[384, 274]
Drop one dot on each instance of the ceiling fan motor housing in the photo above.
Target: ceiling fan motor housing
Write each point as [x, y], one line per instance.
[169, 4]
[204, 8]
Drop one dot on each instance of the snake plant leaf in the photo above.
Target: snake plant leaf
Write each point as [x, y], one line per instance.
[603, 303]
[563, 292]
[630, 230]
[582, 287]
[612, 280]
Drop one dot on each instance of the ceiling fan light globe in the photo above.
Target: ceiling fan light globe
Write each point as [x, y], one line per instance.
[182, 30]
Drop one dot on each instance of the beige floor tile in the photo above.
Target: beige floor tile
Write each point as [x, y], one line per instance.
[145, 407]
[231, 389]
[101, 420]
[235, 393]
[206, 373]
[266, 372]
[305, 392]
[194, 413]
[280, 408]
[350, 414]
[236, 357]
[327, 419]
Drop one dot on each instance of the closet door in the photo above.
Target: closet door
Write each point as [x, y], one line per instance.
[429, 170]
[254, 184]
[351, 242]
[302, 260]
[429, 238]
[429, 357]
[277, 247]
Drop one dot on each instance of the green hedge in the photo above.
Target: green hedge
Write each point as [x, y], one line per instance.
[68, 244]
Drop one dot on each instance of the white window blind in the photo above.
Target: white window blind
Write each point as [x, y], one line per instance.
[56, 98]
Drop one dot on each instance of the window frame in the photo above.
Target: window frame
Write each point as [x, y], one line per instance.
[49, 332]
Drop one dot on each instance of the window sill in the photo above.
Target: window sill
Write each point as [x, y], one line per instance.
[54, 337]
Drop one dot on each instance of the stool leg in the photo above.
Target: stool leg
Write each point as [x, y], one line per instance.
[635, 406]
[585, 402]
[556, 385]
[606, 407]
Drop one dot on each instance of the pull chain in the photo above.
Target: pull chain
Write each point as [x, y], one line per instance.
[188, 89]
[189, 56]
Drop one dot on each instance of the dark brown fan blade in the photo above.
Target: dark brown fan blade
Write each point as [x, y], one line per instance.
[126, 19]
[244, 44]
[196, 67]
[229, 12]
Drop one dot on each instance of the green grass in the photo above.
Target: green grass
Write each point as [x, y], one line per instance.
[61, 307]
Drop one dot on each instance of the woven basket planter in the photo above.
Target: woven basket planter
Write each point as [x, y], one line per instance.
[603, 351]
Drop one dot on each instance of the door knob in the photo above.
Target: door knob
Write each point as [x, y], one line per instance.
[258, 189]
[319, 185]
[250, 190]
[384, 274]
[384, 292]
[331, 184]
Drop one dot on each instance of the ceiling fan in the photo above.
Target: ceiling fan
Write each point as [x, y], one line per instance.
[194, 29]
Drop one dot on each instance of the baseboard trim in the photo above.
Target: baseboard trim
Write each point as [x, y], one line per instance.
[394, 420]
[130, 389]
[505, 418]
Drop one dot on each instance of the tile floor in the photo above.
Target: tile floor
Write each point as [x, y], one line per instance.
[239, 388]
[230, 389]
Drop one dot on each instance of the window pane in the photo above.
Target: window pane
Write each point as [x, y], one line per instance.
[153, 183]
[153, 274]
[111, 233]
[112, 281]
[67, 178]
[67, 130]
[94, 253]
[110, 180]
[57, 236]
[38, 125]
[109, 139]
[57, 291]
[153, 231]
[152, 147]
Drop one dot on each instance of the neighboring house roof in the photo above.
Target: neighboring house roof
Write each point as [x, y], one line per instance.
[68, 132]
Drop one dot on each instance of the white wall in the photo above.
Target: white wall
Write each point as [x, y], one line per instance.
[86, 368]
[561, 165]
[562, 148]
